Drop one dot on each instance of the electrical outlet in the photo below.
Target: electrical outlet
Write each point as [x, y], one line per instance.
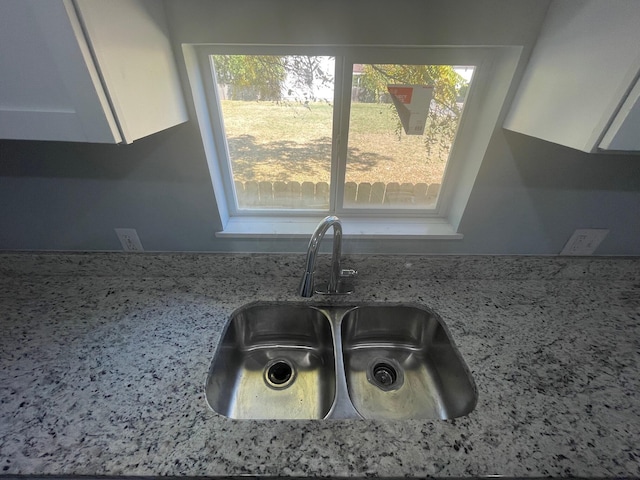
[584, 241]
[129, 239]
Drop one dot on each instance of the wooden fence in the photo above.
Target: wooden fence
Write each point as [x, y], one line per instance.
[310, 195]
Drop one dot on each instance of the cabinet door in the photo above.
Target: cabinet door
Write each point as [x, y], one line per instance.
[49, 86]
[585, 60]
[130, 42]
[624, 132]
[86, 71]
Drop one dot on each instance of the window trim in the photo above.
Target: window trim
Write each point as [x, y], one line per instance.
[495, 69]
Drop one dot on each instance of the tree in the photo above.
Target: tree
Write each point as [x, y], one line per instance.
[271, 77]
[442, 121]
[259, 75]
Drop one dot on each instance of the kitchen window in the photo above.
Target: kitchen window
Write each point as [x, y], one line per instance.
[379, 136]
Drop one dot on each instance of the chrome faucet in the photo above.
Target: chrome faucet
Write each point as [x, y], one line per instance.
[307, 283]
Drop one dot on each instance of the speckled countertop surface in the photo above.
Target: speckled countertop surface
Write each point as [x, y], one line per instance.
[104, 358]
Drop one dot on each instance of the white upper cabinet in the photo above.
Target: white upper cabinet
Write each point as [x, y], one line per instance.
[86, 71]
[580, 88]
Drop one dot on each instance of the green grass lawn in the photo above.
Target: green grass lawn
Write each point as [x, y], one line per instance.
[289, 141]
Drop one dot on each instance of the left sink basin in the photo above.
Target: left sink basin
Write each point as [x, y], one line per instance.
[274, 362]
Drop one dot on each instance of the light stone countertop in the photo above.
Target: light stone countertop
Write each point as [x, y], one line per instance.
[104, 358]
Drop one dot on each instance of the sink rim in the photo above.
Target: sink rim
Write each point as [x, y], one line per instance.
[335, 313]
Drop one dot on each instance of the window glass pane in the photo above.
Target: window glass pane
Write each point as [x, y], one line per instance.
[278, 114]
[403, 123]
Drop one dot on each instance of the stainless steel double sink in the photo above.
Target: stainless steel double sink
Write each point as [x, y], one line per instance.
[304, 361]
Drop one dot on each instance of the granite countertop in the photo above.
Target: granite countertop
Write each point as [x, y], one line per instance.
[104, 358]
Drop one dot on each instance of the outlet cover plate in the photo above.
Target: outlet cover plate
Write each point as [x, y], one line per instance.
[584, 241]
[129, 239]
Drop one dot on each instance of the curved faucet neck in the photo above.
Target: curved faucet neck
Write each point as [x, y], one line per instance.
[307, 283]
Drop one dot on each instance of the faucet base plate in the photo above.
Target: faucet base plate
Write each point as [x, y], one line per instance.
[344, 288]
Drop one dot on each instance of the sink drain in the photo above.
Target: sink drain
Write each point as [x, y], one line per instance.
[279, 374]
[385, 374]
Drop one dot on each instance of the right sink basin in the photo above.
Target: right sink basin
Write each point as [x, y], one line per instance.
[400, 363]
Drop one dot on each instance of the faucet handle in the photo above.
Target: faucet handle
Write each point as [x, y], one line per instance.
[344, 287]
[348, 272]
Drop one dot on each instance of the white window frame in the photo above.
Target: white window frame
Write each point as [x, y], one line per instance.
[494, 71]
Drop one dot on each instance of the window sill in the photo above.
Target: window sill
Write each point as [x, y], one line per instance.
[303, 227]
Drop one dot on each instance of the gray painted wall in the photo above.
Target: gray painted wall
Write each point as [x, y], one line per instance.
[529, 196]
